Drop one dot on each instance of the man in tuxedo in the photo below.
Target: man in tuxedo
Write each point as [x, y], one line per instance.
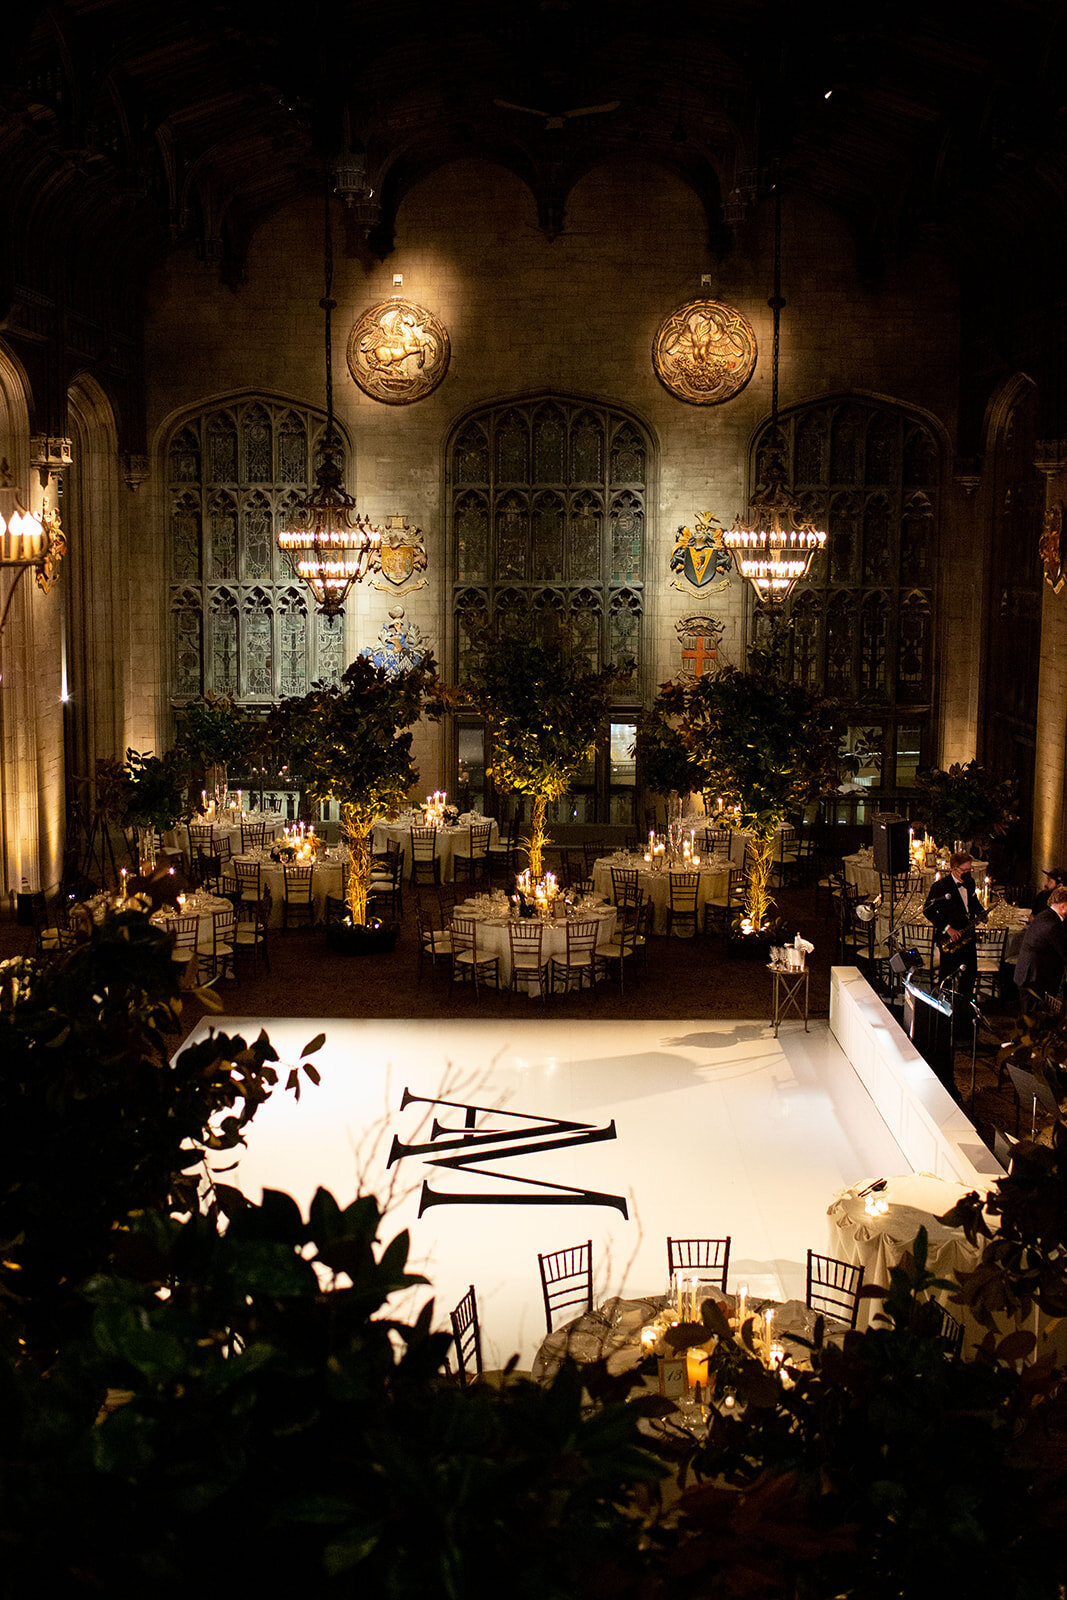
[1043, 950]
[953, 907]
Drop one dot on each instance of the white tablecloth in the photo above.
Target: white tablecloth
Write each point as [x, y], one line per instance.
[180, 838]
[327, 879]
[916, 1200]
[493, 939]
[447, 841]
[861, 873]
[654, 885]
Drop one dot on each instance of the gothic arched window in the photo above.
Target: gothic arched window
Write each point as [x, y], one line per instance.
[862, 623]
[239, 625]
[548, 515]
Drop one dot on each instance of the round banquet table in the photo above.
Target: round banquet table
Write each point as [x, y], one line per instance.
[328, 878]
[878, 1243]
[447, 839]
[612, 1332]
[493, 923]
[862, 874]
[713, 881]
[181, 839]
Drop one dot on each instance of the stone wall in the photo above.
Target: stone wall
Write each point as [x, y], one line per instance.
[576, 315]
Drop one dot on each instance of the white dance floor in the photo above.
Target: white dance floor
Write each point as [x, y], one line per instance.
[641, 1129]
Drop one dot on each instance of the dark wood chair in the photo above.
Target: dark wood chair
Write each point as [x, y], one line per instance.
[297, 904]
[467, 1337]
[528, 961]
[579, 963]
[470, 861]
[466, 962]
[710, 1258]
[833, 1288]
[425, 865]
[567, 1282]
[682, 888]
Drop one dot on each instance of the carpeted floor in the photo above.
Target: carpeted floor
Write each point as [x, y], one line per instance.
[686, 978]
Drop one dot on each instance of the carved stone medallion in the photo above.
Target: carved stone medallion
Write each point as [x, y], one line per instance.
[704, 352]
[699, 638]
[401, 558]
[1053, 555]
[700, 558]
[398, 352]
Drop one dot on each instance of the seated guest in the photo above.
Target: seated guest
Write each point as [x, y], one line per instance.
[1054, 877]
[1043, 951]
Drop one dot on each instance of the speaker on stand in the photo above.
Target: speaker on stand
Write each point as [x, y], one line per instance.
[892, 854]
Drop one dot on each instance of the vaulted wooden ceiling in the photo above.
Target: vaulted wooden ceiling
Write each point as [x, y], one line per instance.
[135, 125]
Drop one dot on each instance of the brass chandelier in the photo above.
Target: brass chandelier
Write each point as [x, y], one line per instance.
[773, 542]
[327, 543]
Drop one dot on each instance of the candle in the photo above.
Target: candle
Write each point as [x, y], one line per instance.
[678, 1280]
[741, 1305]
[768, 1319]
[696, 1367]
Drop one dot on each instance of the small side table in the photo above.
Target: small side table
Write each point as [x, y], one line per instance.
[789, 996]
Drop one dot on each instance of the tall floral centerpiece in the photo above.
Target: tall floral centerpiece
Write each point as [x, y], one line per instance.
[544, 706]
[664, 765]
[768, 746]
[964, 804]
[144, 794]
[216, 735]
[351, 743]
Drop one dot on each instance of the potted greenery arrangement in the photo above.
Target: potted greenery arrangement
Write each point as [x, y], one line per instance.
[768, 747]
[345, 739]
[544, 706]
[963, 806]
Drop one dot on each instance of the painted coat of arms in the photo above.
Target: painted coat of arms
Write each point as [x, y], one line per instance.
[700, 557]
[704, 352]
[400, 645]
[401, 558]
[398, 352]
[700, 638]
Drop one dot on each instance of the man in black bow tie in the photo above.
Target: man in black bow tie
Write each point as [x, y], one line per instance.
[954, 908]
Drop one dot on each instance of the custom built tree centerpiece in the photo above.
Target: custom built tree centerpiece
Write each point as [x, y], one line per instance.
[544, 706]
[768, 746]
[346, 740]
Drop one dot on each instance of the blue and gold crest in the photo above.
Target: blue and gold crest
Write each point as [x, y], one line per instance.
[700, 557]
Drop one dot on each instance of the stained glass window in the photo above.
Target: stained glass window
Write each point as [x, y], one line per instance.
[549, 504]
[862, 622]
[238, 624]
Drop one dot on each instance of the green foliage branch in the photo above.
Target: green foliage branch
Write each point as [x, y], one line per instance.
[96, 1121]
[259, 1384]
